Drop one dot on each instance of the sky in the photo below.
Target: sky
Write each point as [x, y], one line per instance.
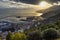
[20, 8]
[29, 1]
[37, 1]
[11, 8]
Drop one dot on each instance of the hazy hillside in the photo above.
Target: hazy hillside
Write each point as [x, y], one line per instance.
[51, 15]
[52, 11]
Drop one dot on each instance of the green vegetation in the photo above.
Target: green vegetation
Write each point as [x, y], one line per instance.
[34, 36]
[0, 37]
[50, 34]
[8, 37]
[50, 31]
[16, 36]
[19, 36]
[55, 25]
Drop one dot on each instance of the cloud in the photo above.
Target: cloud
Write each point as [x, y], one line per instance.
[29, 1]
[52, 1]
[12, 8]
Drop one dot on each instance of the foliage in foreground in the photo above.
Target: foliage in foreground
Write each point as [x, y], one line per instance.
[16, 36]
[51, 34]
[38, 33]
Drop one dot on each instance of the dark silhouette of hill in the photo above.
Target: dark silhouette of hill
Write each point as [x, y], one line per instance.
[51, 14]
[52, 19]
[52, 11]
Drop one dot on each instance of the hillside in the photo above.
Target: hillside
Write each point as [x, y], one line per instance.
[50, 15]
[52, 11]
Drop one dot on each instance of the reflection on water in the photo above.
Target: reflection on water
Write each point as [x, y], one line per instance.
[39, 14]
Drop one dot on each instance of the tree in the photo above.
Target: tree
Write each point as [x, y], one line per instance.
[8, 37]
[19, 36]
[0, 37]
[50, 34]
[34, 36]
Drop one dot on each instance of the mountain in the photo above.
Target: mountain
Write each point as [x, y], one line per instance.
[51, 14]
[52, 11]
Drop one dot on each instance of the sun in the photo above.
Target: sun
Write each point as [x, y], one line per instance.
[44, 5]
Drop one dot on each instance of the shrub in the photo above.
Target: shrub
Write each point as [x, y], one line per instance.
[8, 37]
[19, 36]
[51, 34]
[34, 36]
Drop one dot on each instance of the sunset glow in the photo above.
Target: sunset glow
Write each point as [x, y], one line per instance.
[44, 5]
[39, 14]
